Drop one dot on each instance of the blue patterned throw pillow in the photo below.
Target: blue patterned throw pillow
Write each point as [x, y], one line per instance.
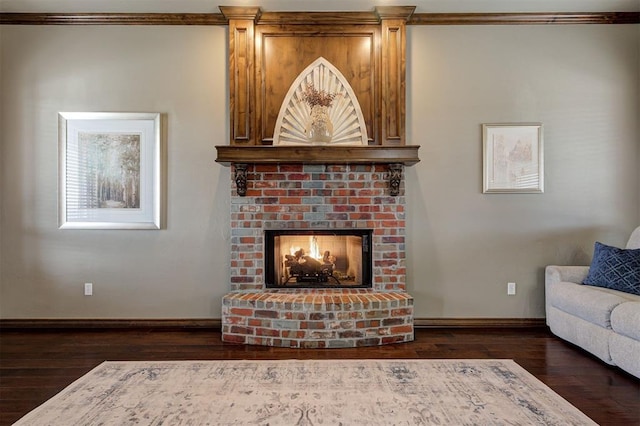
[615, 268]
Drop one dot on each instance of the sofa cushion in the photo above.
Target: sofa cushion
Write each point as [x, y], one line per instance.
[625, 319]
[615, 268]
[592, 304]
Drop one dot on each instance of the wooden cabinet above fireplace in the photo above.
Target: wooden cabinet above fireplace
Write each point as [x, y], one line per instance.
[268, 51]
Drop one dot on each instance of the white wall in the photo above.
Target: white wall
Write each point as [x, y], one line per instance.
[581, 82]
[177, 272]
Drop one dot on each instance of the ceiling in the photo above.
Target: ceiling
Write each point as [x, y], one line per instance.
[423, 6]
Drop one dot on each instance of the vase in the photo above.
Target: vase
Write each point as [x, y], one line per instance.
[319, 128]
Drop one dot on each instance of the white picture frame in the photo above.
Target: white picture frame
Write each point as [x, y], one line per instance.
[513, 158]
[110, 170]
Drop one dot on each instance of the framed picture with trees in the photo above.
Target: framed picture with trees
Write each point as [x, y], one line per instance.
[110, 170]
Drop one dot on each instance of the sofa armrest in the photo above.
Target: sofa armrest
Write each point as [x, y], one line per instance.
[573, 274]
[554, 275]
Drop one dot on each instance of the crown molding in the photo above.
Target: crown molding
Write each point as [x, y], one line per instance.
[524, 18]
[320, 18]
[112, 19]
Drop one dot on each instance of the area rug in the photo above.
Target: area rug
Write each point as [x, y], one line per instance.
[309, 392]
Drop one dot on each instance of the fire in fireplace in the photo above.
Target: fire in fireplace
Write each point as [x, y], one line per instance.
[318, 258]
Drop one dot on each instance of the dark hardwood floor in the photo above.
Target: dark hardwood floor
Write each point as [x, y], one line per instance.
[35, 365]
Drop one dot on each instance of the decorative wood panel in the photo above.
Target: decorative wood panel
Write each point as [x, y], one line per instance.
[283, 52]
[393, 84]
[241, 72]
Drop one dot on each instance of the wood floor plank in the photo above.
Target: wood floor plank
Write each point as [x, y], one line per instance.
[35, 365]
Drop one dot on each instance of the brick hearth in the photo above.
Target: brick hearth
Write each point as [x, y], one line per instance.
[322, 318]
[297, 196]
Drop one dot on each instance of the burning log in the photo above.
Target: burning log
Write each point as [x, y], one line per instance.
[301, 265]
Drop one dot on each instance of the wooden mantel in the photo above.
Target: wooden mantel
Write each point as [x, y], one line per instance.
[267, 52]
[318, 154]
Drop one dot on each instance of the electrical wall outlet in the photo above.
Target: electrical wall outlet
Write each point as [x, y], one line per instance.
[88, 289]
[511, 289]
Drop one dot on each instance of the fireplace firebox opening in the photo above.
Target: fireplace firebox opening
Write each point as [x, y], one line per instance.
[318, 258]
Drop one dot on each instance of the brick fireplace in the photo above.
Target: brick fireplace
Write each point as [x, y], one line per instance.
[307, 197]
[284, 179]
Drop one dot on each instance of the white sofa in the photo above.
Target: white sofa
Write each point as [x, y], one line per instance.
[602, 321]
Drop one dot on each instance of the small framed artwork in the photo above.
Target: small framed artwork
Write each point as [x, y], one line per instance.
[110, 170]
[513, 158]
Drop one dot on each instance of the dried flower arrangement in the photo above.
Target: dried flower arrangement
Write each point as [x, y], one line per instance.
[313, 96]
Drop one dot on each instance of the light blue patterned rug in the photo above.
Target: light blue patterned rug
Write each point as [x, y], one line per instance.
[309, 392]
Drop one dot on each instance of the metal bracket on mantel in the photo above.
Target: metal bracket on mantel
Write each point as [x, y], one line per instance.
[240, 176]
[395, 178]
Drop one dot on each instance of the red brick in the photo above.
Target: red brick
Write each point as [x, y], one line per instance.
[317, 316]
[274, 209]
[290, 200]
[236, 329]
[243, 312]
[337, 216]
[392, 239]
[262, 184]
[337, 168]
[274, 177]
[376, 314]
[392, 321]
[298, 192]
[265, 314]
[254, 193]
[267, 200]
[253, 322]
[350, 334]
[294, 315]
[360, 216]
[402, 329]
[293, 334]
[235, 320]
[313, 325]
[370, 192]
[274, 192]
[393, 223]
[267, 332]
[384, 216]
[266, 168]
[343, 208]
[233, 339]
[258, 341]
[298, 176]
[291, 167]
[336, 200]
[360, 200]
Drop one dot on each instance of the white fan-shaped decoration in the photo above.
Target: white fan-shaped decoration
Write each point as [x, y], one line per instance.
[345, 113]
